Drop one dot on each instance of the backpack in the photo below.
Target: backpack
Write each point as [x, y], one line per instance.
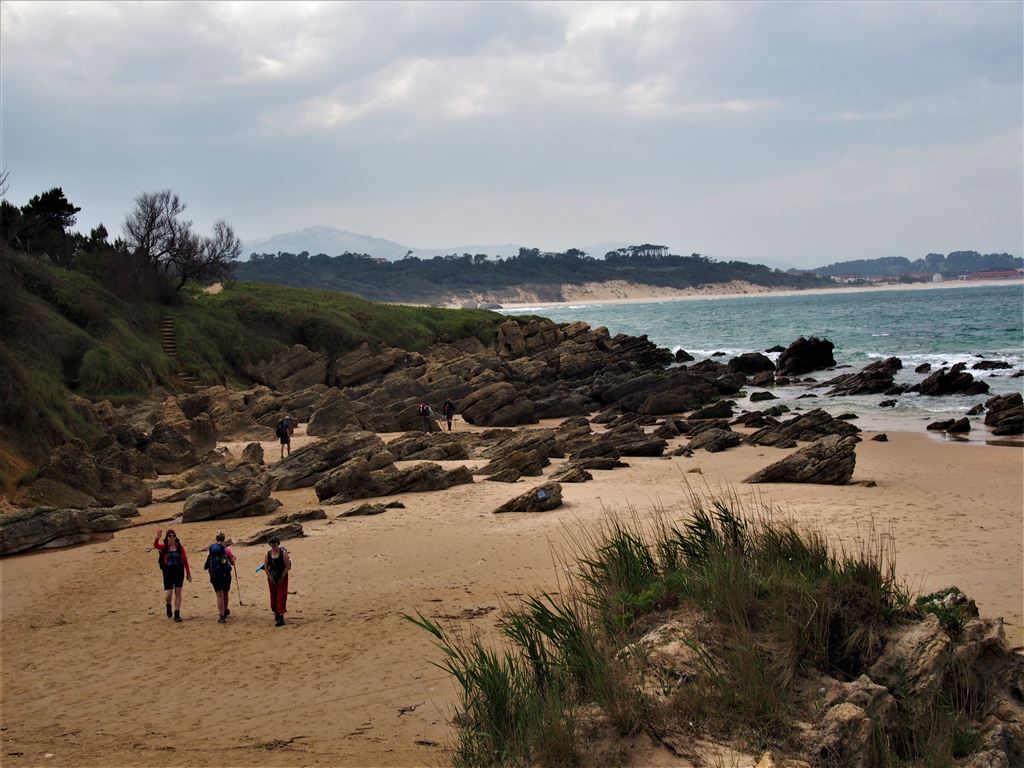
[217, 563]
[282, 428]
[423, 409]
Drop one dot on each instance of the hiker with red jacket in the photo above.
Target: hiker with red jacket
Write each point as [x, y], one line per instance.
[174, 564]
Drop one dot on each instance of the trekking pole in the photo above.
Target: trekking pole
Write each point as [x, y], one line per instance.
[238, 585]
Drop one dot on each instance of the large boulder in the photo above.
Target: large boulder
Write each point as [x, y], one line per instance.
[363, 364]
[292, 369]
[356, 480]
[71, 477]
[237, 498]
[540, 499]
[873, 379]
[954, 381]
[498, 405]
[170, 450]
[915, 660]
[26, 529]
[511, 466]
[804, 427]
[750, 363]
[714, 440]
[805, 355]
[332, 414]
[1005, 414]
[829, 461]
[306, 465]
[202, 434]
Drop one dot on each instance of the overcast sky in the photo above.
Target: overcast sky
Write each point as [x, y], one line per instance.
[801, 133]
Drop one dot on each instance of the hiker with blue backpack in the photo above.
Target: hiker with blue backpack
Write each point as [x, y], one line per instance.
[284, 430]
[220, 561]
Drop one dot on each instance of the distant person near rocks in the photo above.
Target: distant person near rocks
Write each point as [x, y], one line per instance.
[448, 409]
[220, 561]
[427, 415]
[277, 563]
[174, 564]
[285, 430]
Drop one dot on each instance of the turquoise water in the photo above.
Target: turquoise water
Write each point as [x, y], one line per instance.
[941, 326]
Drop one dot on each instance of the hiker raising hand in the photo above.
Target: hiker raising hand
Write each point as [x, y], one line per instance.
[174, 564]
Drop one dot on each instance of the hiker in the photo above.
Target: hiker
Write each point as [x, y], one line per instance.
[277, 563]
[427, 414]
[174, 564]
[448, 409]
[285, 428]
[219, 562]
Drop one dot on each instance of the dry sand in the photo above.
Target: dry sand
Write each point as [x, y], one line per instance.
[94, 673]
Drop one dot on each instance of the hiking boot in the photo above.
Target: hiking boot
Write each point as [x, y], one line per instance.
[222, 620]
[278, 620]
[177, 616]
[169, 613]
[227, 612]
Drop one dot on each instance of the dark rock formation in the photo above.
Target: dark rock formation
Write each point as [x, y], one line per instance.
[940, 426]
[805, 427]
[960, 426]
[292, 369]
[498, 405]
[170, 451]
[201, 434]
[253, 454]
[1005, 414]
[540, 499]
[284, 532]
[873, 379]
[332, 414]
[828, 461]
[881, 437]
[750, 363]
[887, 404]
[71, 477]
[511, 466]
[355, 479]
[954, 381]
[757, 397]
[238, 498]
[923, 368]
[805, 355]
[682, 356]
[421, 446]
[714, 440]
[991, 365]
[26, 529]
[308, 464]
[571, 472]
[298, 517]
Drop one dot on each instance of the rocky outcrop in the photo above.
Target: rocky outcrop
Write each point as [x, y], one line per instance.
[498, 405]
[540, 499]
[828, 461]
[170, 450]
[873, 379]
[356, 480]
[201, 434]
[363, 364]
[714, 440]
[511, 466]
[628, 440]
[750, 363]
[238, 498]
[253, 454]
[991, 365]
[305, 466]
[301, 516]
[805, 427]
[571, 472]
[71, 477]
[284, 532]
[436, 446]
[954, 381]
[332, 413]
[1005, 414]
[26, 529]
[292, 369]
[805, 355]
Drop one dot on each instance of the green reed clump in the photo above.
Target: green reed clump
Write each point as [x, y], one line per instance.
[776, 602]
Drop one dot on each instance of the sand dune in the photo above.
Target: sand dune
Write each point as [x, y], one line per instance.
[95, 674]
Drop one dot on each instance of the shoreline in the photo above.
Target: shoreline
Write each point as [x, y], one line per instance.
[761, 292]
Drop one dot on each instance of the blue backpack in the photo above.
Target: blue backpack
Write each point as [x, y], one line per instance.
[217, 563]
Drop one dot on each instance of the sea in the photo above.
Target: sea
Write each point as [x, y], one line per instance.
[940, 326]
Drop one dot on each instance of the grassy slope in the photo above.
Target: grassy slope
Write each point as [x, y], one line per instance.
[61, 331]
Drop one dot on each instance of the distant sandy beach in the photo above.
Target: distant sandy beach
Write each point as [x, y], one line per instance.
[95, 675]
[621, 292]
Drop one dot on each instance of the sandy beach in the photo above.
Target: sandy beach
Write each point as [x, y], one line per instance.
[95, 675]
[621, 292]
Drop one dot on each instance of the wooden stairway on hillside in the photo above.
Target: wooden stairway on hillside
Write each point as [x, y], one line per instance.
[169, 344]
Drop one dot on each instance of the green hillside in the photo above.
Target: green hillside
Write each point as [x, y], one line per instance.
[62, 331]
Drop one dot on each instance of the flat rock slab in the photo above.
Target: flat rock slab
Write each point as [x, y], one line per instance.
[281, 532]
[829, 461]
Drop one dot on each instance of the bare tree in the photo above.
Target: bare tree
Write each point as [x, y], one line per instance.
[158, 234]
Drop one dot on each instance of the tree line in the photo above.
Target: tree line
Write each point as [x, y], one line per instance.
[157, 253]
[415, 279]
[954, 263]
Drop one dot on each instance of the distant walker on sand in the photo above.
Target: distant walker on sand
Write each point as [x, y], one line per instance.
[284, 431]
[448, 409]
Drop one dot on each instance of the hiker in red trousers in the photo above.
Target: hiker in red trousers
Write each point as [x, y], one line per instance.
[277, 563]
